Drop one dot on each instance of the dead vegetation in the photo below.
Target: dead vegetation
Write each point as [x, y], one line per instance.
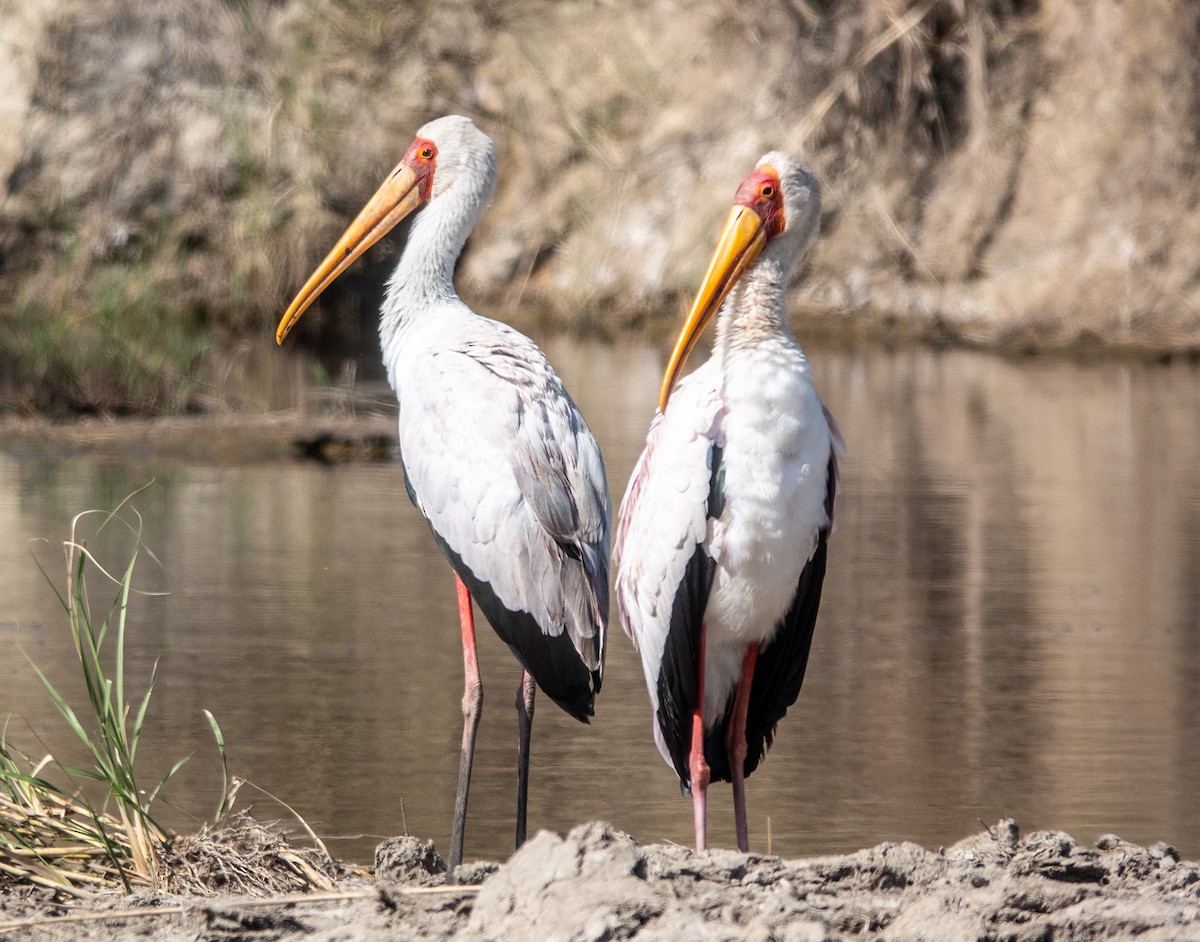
[247, 858]
[57, 841]
[1019, 173]
[57, 848]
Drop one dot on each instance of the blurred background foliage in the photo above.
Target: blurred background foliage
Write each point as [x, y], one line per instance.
[1018, 174]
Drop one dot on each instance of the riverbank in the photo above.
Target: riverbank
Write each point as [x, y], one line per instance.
[597, 884]
[1010, 174]
[224, 438]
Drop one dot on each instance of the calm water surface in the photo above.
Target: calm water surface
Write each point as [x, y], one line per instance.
[1010, 627]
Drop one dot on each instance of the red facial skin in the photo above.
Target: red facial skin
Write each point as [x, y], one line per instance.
[421, 159]
[762, 192]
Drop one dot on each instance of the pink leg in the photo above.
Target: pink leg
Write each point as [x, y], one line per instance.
[696, 764]
[472, 704]
[735, 745]
[525, 697]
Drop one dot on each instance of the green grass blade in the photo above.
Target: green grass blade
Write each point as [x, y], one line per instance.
[64, 708]
[119, 663]
[223, 808]
[140, 717]
[179, 764]
[49, 581]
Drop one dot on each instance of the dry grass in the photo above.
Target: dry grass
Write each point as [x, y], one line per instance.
[56, 840]
[247, 858]
[59, 842]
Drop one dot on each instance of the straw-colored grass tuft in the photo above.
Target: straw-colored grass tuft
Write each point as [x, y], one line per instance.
[55, 840]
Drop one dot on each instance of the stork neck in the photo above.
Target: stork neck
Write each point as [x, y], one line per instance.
[755, 310]
[424, 275]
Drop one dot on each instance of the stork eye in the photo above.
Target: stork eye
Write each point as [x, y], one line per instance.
[768, 191]
[427, 153]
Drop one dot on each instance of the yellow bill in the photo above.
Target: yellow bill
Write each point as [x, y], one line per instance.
[741, 243]
[399, 196]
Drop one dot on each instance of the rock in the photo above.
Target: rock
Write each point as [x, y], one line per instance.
[588, 886]
[409, 860]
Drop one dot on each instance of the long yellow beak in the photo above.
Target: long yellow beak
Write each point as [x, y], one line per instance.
[399, 196]
[741, 243]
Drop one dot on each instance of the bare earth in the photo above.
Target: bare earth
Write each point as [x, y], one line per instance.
[598, 884]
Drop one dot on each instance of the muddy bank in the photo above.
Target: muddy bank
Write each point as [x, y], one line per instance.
[221, 438]
[597, 884]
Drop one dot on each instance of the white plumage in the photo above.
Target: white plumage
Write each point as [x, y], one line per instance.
[721, 539]
[501, 463]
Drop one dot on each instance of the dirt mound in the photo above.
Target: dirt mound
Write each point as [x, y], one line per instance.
[599, 884]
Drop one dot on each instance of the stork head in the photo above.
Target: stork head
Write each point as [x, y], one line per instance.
[776, 211]
[446, 154]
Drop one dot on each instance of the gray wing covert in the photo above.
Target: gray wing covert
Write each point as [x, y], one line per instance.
[501, 463]
[560, 474]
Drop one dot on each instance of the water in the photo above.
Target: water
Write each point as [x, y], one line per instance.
[1010, 627]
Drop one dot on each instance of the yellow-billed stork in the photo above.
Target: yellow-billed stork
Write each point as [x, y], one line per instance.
[722, 536]
[495, 454]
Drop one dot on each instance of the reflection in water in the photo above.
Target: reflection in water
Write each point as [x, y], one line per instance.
[1011, 624]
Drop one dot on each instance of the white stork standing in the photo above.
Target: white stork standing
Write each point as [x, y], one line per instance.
[495, 454]
[721, 544]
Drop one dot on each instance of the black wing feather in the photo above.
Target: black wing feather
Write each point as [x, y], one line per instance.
[779, 671]
[553, 662]
[679, 671]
